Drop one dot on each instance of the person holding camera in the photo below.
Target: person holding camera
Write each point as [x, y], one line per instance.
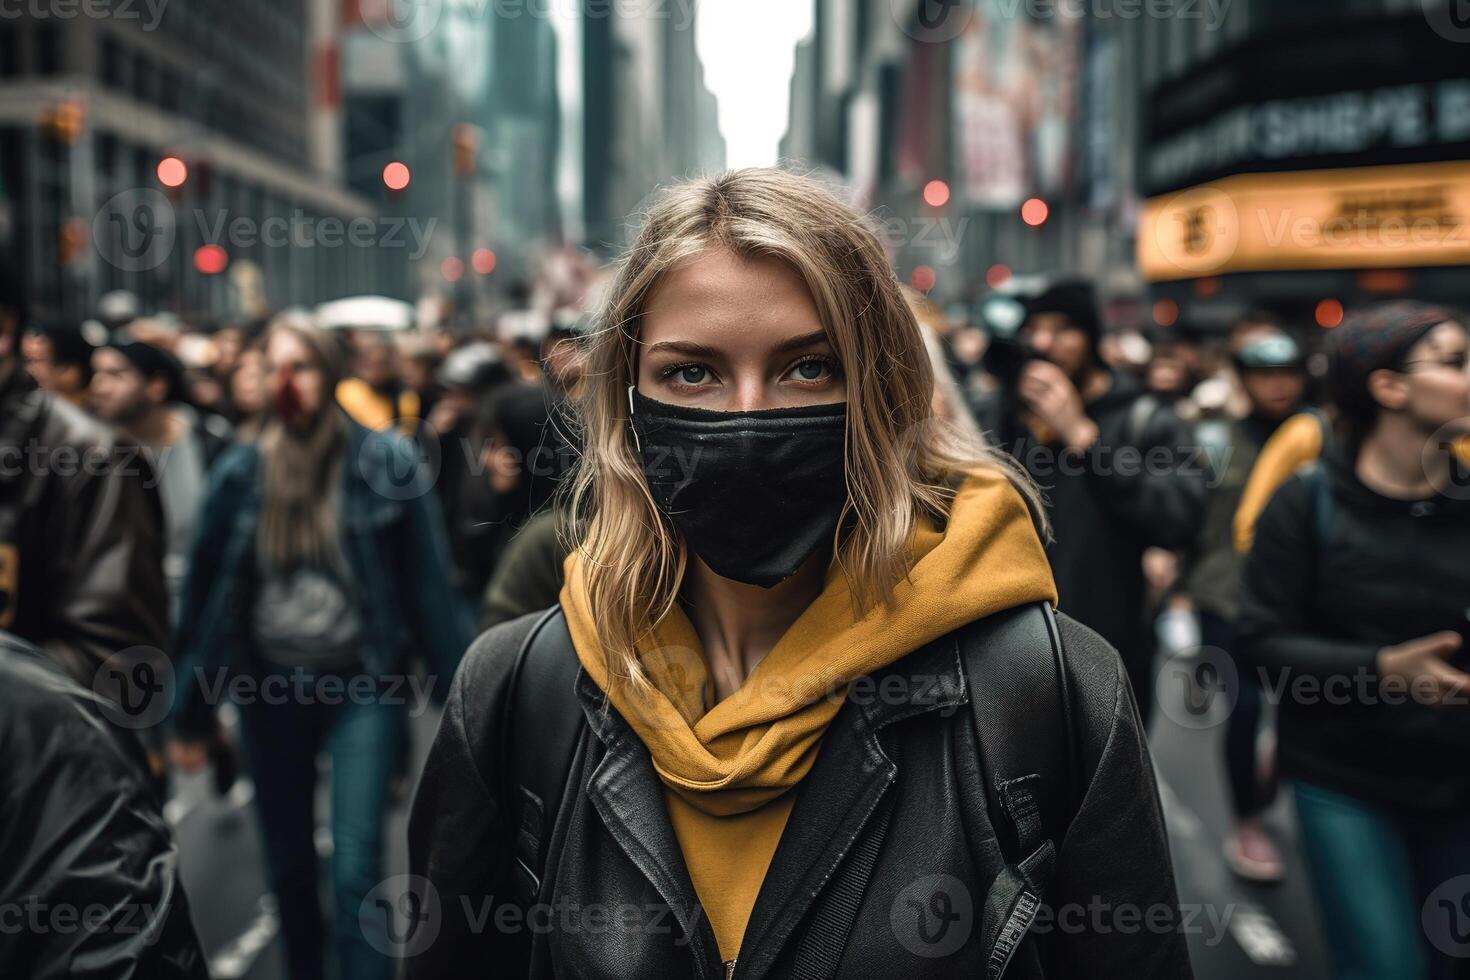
[1116, 462]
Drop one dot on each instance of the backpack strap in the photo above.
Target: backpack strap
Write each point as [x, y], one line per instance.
[1319, 487]
[544, 725]
[1020, 696]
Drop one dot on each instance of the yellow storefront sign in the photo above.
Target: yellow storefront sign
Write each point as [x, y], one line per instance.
[1359, 218]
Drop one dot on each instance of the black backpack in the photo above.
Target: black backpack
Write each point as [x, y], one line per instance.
[1027, 746]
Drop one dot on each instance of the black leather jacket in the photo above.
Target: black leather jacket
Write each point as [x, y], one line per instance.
[89, 874]
[621, 902]
[81, 537]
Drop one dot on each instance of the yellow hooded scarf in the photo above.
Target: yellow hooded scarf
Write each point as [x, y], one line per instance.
[727, 767]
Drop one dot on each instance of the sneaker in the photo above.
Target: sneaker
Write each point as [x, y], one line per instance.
[1250, 853]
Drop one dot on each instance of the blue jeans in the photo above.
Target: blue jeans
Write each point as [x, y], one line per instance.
[282, 741]
[1372, 870]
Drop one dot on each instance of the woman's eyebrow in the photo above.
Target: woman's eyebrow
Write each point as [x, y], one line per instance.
[685, 347]
[797, 343]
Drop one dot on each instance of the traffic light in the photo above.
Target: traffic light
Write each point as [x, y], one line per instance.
[65, 120]
[936, 193]
[463, 141]
[1034, 212]
[172, 172]
[71, 241]
[396, 176]
[211, 260]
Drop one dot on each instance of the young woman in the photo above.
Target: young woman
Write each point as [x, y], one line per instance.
[1353, 607]
[783, 570]
[320, 546]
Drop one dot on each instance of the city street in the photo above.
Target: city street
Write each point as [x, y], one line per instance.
[1237, 931]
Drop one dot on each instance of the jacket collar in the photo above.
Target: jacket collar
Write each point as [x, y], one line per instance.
[835, 802]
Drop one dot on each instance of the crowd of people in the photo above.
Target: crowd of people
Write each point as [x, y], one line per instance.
[753, 447]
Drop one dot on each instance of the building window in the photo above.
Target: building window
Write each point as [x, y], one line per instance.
[48, 49]
[9, 54]
[114, 64]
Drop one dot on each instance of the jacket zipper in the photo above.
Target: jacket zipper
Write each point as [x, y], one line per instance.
[729, 969]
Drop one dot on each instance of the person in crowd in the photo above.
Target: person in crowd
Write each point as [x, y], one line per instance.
[1117, 463]
[248, 392]
[469, 376]
[59, 358]
[1353, 604]
[320, 545]
[139, 389]
[725, 614]
[375, 396]
[81, 538]
[1173, 368]
[89, 874]
[419, 364]
[1272, 371]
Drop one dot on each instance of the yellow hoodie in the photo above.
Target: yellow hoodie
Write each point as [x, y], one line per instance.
[727, 767]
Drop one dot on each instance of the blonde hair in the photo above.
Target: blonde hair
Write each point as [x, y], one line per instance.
[903, 464]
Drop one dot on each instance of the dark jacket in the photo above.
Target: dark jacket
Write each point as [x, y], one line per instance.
[613, 851]
[528, 576]
[81, 536]
[1315, 612]
[392, 536]
[89, 874]
[1142, 484]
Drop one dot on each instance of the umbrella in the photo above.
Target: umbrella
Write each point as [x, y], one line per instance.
[365, 313]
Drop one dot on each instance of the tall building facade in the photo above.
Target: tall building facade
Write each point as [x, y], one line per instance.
[648, 116]
[1197, 160]
[131, 141]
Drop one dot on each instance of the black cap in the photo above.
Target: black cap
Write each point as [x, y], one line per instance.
[1076, 300]
[151, 361]
[69, 344]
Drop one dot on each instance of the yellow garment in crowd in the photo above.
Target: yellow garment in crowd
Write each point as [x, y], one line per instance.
[727, 768]
[1295, 444]
[374, 410]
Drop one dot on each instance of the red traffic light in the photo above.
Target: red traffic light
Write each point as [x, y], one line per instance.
[1034, 212]
[936, 193]
[211, 259]
[396, 176]
[483, 261]
[452, 268]
[172, 172]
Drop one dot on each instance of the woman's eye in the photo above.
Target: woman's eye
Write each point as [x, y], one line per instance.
[692, 374]
[816, 369]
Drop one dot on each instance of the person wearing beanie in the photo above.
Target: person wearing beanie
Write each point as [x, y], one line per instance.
[59, 358]
[1116, 462]
[1353, 609]
[139, 388]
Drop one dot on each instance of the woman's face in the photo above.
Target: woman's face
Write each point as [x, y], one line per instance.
[1438, 390]
[736, 335]
[247, 384]
[296, 382]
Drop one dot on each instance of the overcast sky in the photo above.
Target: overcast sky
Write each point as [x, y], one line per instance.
[748, 48]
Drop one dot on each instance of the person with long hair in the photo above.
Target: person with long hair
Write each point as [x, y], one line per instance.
[1353, 609]
[804, 704]
[320, 547]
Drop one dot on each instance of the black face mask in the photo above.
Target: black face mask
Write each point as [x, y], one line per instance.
[754, 493]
